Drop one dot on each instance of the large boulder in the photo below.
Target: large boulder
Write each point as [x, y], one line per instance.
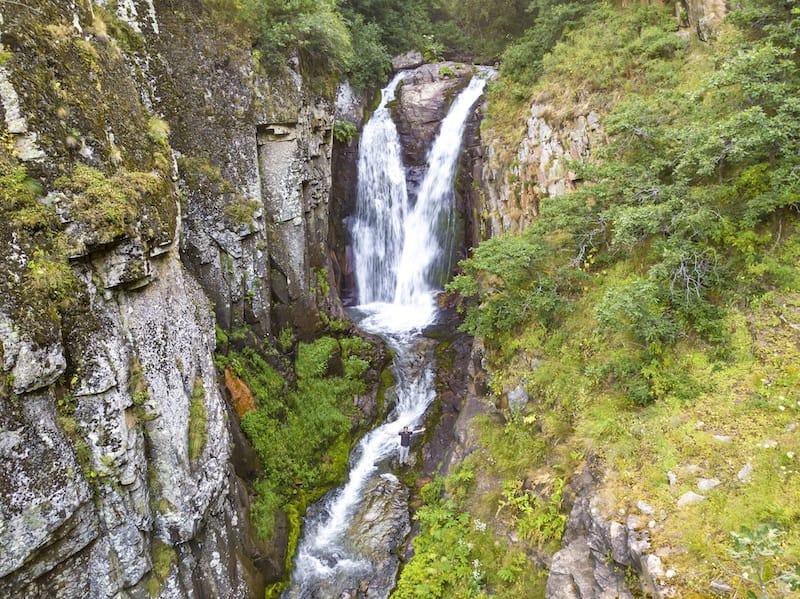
[423, 100]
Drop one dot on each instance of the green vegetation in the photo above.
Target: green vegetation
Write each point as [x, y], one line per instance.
[303, 424]
[652, 314]
[164, 558]
[755, 550]
[110, 206]
[302, 433]
[38, 287]
[198, 420]
[344, 131]
[456, 553]
[313, 29]
[357, 38]
[484, 28]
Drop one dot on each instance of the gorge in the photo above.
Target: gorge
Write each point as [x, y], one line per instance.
[229, 277]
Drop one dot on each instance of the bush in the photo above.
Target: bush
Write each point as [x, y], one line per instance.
[301, 434]
[369, 63]
[314, 29]
[344, 131]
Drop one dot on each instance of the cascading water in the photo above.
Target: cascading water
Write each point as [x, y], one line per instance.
[396, 249]
[381, 205]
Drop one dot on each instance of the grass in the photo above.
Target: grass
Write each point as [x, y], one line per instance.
[164, 558]
[745, 411]
[301, 427]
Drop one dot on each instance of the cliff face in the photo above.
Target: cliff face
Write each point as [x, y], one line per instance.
[174, 186]
[514, 185]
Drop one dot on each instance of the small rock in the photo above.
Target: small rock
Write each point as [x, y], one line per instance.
[517, 398]
[721, 588]
[645, 508]
[651, 525]
[706, 484]
[671, 573]
[723, 438]
[633, 522]
[769, 444]
[672, 478]
[654, 566]
[745, 473]
[690, 498]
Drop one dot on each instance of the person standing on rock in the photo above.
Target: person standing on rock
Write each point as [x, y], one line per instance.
[405, 443]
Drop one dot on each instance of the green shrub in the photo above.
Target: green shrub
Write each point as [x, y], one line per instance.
[369, 63]
[301, 435]
[344, 131]
[314, 29]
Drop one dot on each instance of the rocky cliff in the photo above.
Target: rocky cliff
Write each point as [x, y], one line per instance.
[148, 195]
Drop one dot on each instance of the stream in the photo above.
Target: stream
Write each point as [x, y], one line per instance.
[350, 537]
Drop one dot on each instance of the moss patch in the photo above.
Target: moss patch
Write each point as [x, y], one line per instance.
[198, 420]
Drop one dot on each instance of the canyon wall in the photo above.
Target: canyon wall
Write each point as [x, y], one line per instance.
[177, 187]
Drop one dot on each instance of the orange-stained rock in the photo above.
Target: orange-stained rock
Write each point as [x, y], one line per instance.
[241, 396]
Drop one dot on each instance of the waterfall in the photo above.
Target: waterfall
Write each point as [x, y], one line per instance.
[381, 204]
[396, 251]
[429, 229]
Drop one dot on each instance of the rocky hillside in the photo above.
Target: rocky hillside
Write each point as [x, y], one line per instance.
[631, 427]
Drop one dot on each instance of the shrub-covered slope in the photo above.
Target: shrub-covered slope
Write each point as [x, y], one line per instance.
[645, 329]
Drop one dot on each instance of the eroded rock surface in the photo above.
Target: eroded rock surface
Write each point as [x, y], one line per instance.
[188, 190]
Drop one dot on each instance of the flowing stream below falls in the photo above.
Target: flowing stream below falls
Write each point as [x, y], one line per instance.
[350, 537]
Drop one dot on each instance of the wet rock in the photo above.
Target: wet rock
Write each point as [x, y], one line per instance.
[422, 103]
[381, 522]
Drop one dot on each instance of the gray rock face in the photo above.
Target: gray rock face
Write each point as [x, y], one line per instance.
[539, 169]
[596, 551]
[705, 17]
[98, 403]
